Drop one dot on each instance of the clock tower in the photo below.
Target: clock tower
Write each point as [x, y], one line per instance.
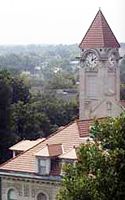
[99, 71]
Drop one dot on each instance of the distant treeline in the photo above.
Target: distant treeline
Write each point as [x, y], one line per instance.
[30, 56]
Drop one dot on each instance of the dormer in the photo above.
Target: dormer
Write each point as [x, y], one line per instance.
[47, 159]
[24, 145]
[68, 157]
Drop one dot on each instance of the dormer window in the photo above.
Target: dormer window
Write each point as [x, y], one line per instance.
[44, 166]
[47, 159]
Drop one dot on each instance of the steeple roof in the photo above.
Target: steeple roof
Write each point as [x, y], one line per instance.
[99, 34]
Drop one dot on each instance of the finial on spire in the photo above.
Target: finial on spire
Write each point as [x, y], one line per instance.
[100, 8]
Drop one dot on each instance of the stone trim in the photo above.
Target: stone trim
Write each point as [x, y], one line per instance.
[30, 180]
[12, 188]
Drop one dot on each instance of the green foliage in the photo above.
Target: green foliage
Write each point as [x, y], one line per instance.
[28, 122]
[41, 116]
[61, 80]
[30, 56]
[5, 99]
[58, 111]
[11, 90]
[99, 173]
[20, 90]
[41, 63]
[7, 139]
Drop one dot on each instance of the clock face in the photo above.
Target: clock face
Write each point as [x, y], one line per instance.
[91, 60]
[112, 60]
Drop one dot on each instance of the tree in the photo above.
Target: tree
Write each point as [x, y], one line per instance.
[11, 90]
[99, 173]
[57, 110]
[5, 99]
[61, 80]
[28, 122]
[6, 138]
[20, 91]
[41, 116]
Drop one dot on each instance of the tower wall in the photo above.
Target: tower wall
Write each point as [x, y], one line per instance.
[99, 84]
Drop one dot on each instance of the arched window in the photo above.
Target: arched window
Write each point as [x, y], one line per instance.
[12, 195]
[41, 196]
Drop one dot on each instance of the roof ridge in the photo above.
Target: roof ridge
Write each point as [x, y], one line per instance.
[104, 38]
[103, 35]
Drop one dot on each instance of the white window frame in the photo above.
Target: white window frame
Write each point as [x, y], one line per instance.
[44, 166]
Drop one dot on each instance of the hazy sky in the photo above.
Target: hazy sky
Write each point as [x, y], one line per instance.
[56, 21]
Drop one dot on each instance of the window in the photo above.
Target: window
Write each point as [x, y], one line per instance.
[12, 195]
[109, 108]
[111, 83]
[109, 105]
[41, 196]
[44, 166]
[91, 86]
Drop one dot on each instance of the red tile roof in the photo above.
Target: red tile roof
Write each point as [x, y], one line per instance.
[99, 34]
[71, 135]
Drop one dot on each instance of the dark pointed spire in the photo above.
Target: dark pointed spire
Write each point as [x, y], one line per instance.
[99, 34]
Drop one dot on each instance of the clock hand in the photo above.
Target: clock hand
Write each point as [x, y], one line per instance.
[93, 59]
